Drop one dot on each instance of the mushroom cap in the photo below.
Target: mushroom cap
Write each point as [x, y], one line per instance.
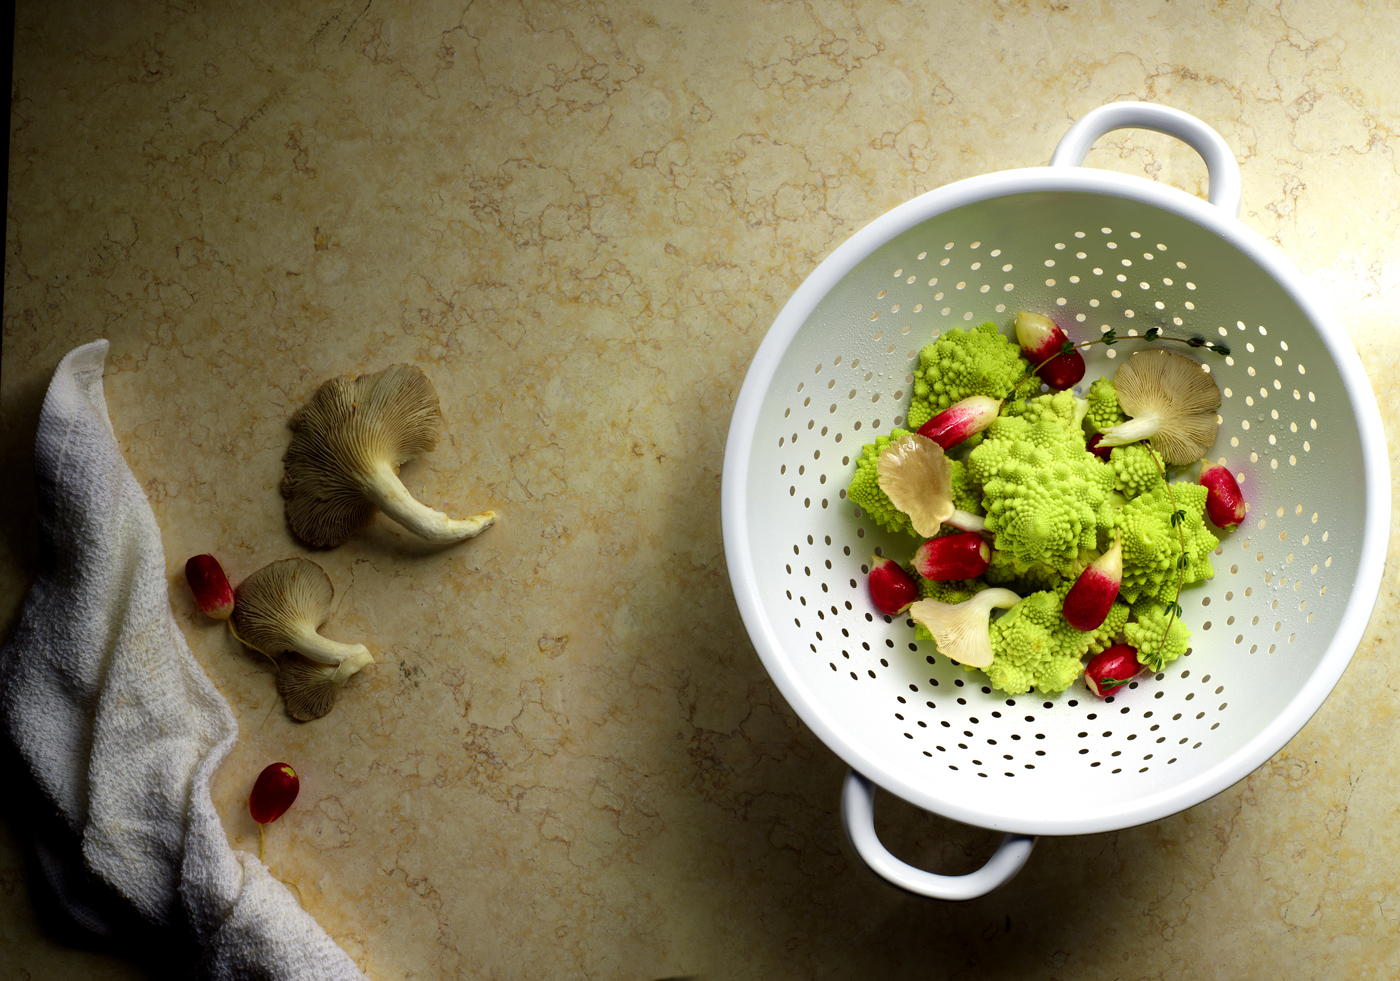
[279, 595]
[917, 476]
[1180, 393]
[338, 437]
[962, 630]
[308, 688]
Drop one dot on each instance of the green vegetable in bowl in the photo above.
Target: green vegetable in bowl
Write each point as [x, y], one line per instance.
[1060, 496]
[960, 364]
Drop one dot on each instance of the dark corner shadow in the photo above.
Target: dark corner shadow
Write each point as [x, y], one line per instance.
[1070, 887]
[19, 497]
[72, 906]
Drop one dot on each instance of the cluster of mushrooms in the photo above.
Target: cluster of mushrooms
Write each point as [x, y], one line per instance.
[342, 466]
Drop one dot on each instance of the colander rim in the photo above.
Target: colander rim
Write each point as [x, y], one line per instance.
[849, 254]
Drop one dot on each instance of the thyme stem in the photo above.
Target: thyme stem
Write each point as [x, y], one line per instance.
[1110, 337]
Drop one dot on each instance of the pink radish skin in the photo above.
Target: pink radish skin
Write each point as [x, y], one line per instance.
[961, 420]
[1111, 670]
[891, 588]
[210, 586]
[1104, 453]
[964, 556]
[1091, 597]
[1040, 337]
[1224, 501]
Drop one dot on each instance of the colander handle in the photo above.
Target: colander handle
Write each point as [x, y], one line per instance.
[858, 813]
[1223, 173]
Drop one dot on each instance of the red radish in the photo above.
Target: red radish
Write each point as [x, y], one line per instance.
[1109, 671]
[1104, 453]
[273, 792]
[1224, 501]
[961, 420]
[1091, 597]
[1040, 338]
[963, 556]
[891, 588]
[210, 586]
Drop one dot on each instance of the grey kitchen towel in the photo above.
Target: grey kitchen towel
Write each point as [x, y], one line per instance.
[119, 727]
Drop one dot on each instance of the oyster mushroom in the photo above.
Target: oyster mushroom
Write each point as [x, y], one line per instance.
[279, 608]
[916, 475]
[309, 688]
[962, 630]
[348, 443]
[1172, 402]
[277, 611]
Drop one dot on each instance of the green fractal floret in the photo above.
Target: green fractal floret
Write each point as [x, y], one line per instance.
[960, 364]
[966, 492]
[1104, 410]
[1157, 643]
[1045, 496]
[1064, 408]
[1134, 470]
[864, 490]
[1033, 646]
[1024, 578]
[1152, 551]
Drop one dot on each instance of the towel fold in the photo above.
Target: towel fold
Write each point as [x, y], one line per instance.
[119, 727]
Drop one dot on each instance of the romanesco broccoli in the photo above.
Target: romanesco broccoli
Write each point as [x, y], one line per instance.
[1064, 408]
[1033, 646]
[966, 492]
[1157, 643]
[1104, 410]
[864, 490]
[1152, 547]
[960, 364]
[1026, 578]
[1045, 495]
[1133, 469]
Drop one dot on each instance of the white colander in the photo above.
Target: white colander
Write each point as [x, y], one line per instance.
[1294, 585]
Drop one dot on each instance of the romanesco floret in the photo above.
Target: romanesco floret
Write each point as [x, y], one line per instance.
[864, 490]
[1027, 578]
[1104, 410]
[1133, 469]
[966, 492]
[1064, 408]
[960, 364]
[948, 590]
[1033, 646]
[1157, 643]
[1152, 546]
[1045, 496]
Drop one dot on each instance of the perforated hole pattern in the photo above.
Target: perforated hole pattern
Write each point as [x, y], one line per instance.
[1258, 627]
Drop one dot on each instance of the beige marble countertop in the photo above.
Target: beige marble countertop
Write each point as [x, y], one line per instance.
[580, 220]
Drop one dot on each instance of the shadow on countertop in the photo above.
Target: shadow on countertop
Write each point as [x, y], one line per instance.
[74, 907]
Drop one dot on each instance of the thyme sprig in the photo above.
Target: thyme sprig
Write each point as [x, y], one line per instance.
[1111, 337]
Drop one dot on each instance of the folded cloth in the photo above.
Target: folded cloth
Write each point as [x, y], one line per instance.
[120, 728]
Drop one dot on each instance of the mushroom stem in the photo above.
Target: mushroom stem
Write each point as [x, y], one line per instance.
[303, 638]
[389, 494]
[323, 650]
[966, 521]
[1134, 430]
